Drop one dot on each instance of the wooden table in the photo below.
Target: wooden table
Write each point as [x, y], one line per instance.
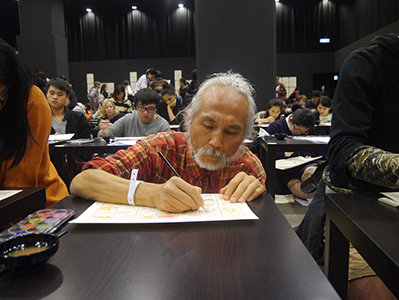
[256, 259]
[63, 155]
[269, 148]
[21, 204]
[372, 228]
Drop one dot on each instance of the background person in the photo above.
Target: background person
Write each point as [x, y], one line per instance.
[142, 122]
[109, 112]
[94, 96]
[362, 153]
[281, 91]
[273, 112]
[170, 108]
[312, 103]
[145, 80]
[122, 104]
[25, 113]
[64, 120]
[323, 114]
[300, 122]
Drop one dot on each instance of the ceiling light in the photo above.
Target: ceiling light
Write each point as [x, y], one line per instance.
[88, 10]
[134, 7]
[181, 5]
[325, 40]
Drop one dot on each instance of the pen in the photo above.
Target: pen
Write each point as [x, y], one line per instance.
[173, 170]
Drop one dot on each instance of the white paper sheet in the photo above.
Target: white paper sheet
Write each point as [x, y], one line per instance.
[392, 195]
[316, 139]
[60, 137]
[126, 140]
[291, 162]
[4, 194]
[218, 210]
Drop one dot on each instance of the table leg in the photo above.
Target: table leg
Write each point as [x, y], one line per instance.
[336, 258]
[271, 173]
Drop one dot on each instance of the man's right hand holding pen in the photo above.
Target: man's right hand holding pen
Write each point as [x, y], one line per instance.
[175, 195]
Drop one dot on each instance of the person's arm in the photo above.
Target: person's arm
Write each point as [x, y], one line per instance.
[170, 112]
[104, 128]
[115, 129]
[175, 195]
[269, 119]
[375, 166]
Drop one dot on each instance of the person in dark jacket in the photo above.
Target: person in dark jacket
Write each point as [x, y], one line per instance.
[171, 109]
[63, 119]
[363, 152]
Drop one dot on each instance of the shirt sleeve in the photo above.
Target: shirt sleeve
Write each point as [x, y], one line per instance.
[118, 128]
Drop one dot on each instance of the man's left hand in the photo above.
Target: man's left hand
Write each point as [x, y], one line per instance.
[243, 187]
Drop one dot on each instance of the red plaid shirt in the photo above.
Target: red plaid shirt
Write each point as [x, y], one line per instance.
[143, 156]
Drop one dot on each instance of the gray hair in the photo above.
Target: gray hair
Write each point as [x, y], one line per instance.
[234, 81]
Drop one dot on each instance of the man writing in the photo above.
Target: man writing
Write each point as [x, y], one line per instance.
[209, 157]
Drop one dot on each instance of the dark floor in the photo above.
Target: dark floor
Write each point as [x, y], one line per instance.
[292, 210]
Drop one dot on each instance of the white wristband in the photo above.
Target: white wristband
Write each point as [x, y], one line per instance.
[133, 186]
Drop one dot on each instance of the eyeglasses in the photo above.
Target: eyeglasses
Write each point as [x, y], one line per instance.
[298, 130]
[150, 110]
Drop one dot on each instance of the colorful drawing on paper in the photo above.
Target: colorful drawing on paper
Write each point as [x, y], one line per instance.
[217, 208]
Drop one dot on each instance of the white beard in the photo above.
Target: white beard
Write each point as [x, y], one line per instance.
[223, 159]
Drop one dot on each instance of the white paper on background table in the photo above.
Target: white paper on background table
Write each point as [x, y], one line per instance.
[292, 162]
[60, 137]
[313, 138]
[126, 140]
[4, 194]
[218, 210]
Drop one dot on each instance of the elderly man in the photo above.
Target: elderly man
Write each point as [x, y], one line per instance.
[209, 157]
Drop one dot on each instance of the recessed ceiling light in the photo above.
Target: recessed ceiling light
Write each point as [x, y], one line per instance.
[134, 7]
[181, 5]
[88, 10]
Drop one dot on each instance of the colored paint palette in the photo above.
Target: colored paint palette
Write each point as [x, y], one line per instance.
[41, 221]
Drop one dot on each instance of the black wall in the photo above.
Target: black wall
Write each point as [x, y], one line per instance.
[42, 36]
[240, 36]
[304, 66]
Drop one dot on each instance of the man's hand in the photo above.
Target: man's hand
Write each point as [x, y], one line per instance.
[243, 188]
[104, 126]
[175, 195]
